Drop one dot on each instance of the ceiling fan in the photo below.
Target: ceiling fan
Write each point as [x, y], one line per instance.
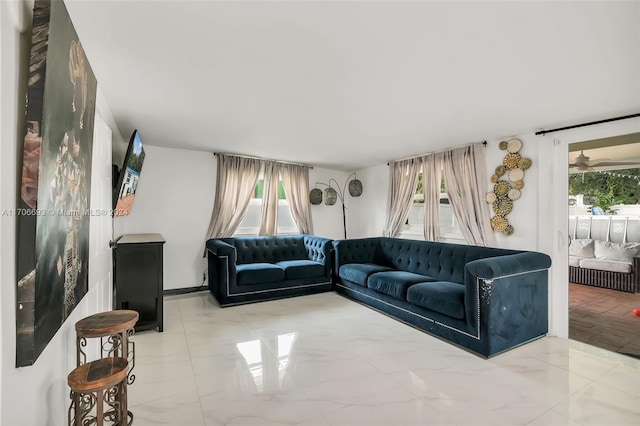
[584, 163]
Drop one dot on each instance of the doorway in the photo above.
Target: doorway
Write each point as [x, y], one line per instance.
[604, 235]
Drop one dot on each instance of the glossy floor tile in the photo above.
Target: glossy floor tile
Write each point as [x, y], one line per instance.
[325, 360]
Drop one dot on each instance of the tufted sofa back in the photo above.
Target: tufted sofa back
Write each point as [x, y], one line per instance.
[442, 261]
[273, 249]
[445, 262]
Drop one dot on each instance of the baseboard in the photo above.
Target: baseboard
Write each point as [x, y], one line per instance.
[185, 290]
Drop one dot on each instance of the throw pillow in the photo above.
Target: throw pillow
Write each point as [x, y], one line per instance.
[581, 248]
[622, 252]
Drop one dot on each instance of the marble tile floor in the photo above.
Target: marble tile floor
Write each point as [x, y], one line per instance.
[325, 360]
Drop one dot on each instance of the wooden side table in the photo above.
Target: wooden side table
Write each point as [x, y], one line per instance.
[96, 384]
[114, 328]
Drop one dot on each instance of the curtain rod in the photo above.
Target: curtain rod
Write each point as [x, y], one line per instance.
[624, 117]
[263, 159]
[436, 152]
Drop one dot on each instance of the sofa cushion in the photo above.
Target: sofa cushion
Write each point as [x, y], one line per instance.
[395, 283]
[581, 248]
[299, 269]
[606, 265]
[440, 296]
[574, 261]
[359, 272]
[622, 252]
[256, 273]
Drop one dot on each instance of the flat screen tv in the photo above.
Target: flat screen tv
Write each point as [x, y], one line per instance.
[125, 189]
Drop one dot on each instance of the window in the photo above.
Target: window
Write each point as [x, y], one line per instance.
[414, 227]
[250, 225]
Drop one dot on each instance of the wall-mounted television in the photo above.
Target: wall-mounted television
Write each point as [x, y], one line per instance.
[124, 190]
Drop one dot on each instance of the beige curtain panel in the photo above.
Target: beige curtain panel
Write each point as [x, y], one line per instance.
[466, 182]
[403, 180]
[269, 215]
[295, 179]
[431, 175]
[236, 180]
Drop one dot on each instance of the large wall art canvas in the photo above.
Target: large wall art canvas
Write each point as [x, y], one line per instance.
[53, 206]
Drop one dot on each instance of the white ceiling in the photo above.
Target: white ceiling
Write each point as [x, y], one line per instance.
[346, 85]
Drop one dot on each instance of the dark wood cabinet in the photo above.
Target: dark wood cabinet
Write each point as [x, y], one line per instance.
[137, 278]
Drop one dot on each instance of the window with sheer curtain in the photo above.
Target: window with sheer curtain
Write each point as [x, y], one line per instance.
[414, 227]
[250, 198]
[250, 225]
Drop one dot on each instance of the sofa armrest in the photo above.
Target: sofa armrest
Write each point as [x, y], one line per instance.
[360, 250]
[507, 294]
[221, 261]
[491, 268]
[318, 249]
[220, 248]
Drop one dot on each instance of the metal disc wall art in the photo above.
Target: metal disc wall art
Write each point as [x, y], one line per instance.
[508, 180]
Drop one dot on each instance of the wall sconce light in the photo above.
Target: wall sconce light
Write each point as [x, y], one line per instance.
[333, 192]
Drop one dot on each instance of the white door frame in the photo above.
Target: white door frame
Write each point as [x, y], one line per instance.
[553, 209]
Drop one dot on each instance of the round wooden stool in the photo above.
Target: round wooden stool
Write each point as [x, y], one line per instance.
[96, 384]
[114, 328]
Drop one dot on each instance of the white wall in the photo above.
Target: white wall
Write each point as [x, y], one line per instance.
[369, 211]
[327, 220]
[38, 394]
[174, 198]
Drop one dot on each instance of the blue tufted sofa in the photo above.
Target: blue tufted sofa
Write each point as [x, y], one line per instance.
[486, 300]
[249, 269]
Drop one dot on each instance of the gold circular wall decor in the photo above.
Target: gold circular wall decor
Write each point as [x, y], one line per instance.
[491, 197]
[502, 206]
[499, 223]
[502, 187]
[524, 163]
[513, 194]
[516, 175]
[505, 192]
[511, 161]
[514, 145]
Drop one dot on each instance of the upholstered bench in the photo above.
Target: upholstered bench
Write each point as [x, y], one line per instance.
[605, 264]
[250, 269]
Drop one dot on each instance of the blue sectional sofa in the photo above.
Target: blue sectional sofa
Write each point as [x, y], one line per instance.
[486, 300]
[249, 269]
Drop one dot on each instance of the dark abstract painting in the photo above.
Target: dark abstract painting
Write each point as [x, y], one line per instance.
[53, 207]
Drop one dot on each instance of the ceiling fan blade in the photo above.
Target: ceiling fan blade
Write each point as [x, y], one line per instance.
[615, 163]
[580, 166]
[576, 170]
[597, 160]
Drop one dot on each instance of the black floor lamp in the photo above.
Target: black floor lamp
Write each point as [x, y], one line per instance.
[331, 194]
